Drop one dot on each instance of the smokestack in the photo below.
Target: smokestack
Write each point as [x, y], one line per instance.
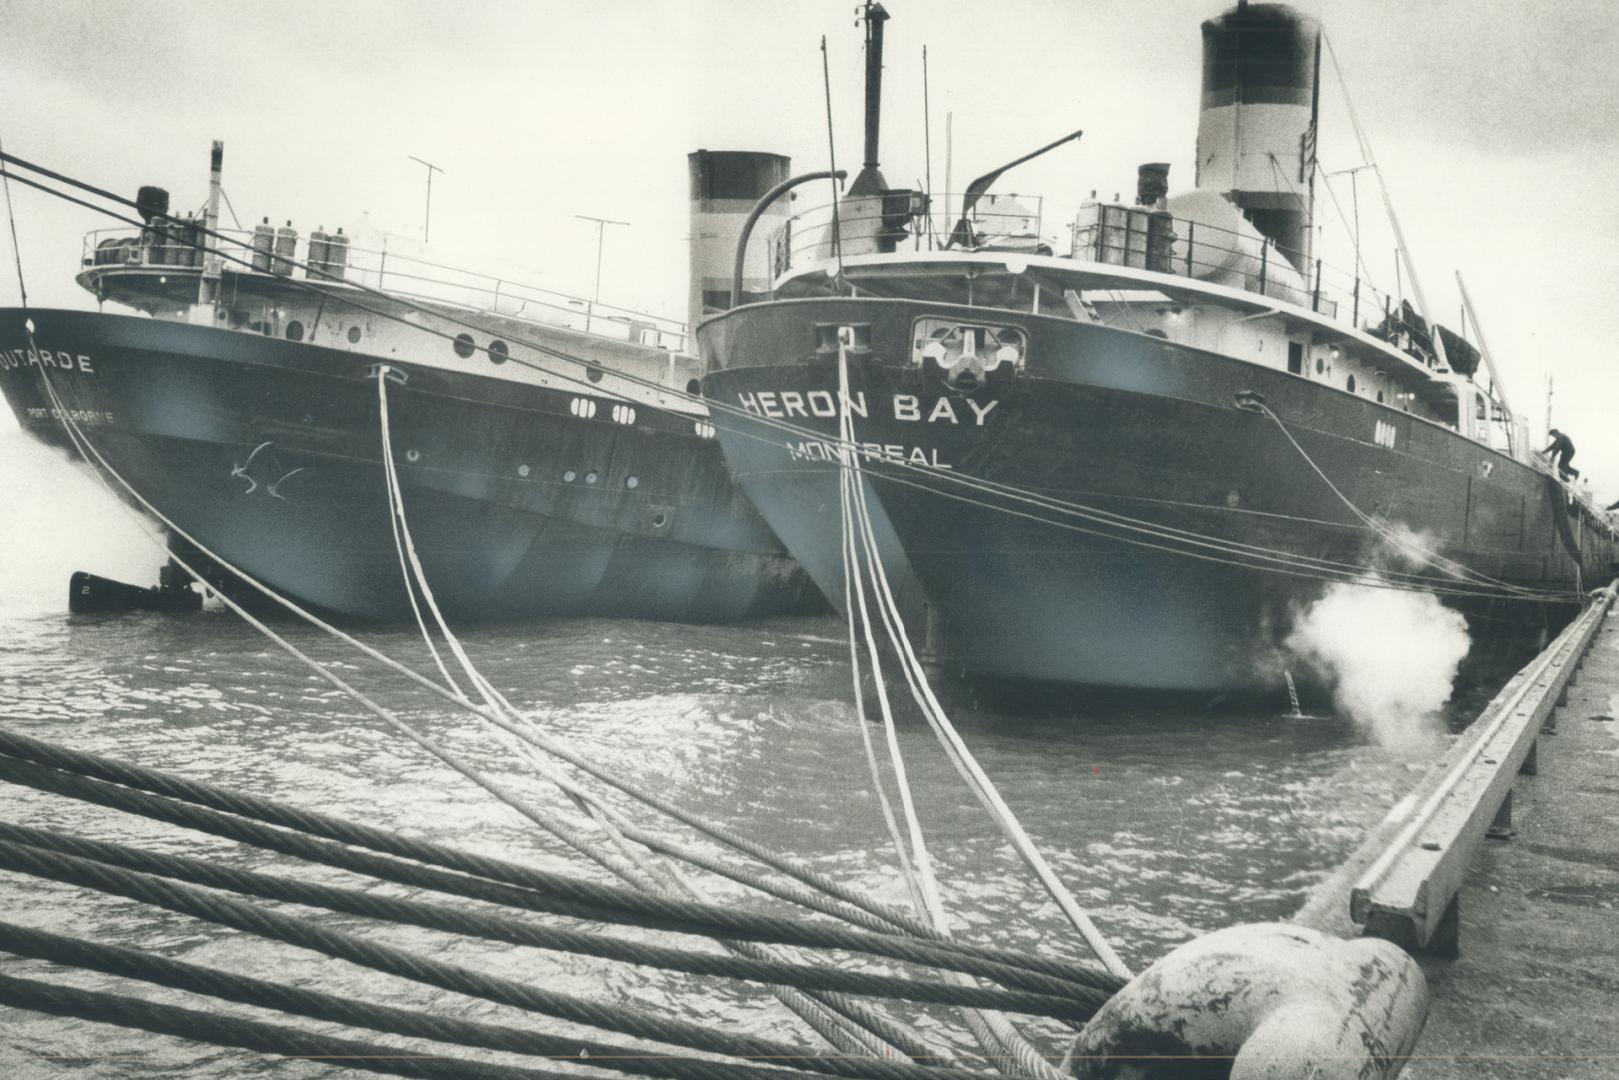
[870, 181]
[1152, 182]
[724, 186]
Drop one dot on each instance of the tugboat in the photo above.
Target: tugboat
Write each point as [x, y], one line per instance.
[1130, 460]
[552, 456]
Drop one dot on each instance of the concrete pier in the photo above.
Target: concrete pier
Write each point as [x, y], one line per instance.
[1534, 993]
[1482, 913]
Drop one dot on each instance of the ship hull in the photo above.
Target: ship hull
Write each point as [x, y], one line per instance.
[269, 453]
[1131, 427]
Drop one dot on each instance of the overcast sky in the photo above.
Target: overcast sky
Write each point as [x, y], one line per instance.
[1493, 123]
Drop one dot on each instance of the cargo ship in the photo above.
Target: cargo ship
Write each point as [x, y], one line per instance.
[1129, 460]
[552, 454]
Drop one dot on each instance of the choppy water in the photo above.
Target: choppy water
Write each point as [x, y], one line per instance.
[1164, 824]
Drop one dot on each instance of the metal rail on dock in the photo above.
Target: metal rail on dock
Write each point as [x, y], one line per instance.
[1408, 895]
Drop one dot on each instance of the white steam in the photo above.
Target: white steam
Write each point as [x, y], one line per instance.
[1391, 655]
[58, 519]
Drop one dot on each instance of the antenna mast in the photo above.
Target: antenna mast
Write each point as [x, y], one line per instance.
[427, 214]
[601, 231]
[927, 148]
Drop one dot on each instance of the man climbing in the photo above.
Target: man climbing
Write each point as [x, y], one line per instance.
[1562, 451]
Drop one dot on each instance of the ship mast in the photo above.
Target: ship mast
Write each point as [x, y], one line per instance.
[208, 283]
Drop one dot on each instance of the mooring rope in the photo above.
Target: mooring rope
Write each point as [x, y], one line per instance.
[858, 1013]
[784, 863]
[635, 1021]
[324, 839]
[411, 1023]
[955, 747]
[822, 1012]
[221, 1029]
[496, 927]
[994, 1032]
[852, 1025]
[504, 716]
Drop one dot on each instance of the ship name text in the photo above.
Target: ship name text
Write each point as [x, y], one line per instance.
[787, 404]
[59, 359]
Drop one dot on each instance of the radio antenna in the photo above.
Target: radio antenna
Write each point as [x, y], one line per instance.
[927, 149]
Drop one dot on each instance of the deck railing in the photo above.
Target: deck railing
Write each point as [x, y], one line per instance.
[386, 271]
[1108, 233]
[907, 222]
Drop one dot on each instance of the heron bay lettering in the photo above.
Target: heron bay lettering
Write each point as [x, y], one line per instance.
[59, 359]
[788, 404]
[814, 450]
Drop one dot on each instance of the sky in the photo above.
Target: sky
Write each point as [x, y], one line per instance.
[1491, 122]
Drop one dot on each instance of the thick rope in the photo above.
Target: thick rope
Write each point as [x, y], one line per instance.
[496, 927]
[526, 888]
[635, 1021]
[502, 715]
[221, 1030]
[813, 1013]
[870, 1029]
[957, 748]
[411, 1023]
[993, 1032]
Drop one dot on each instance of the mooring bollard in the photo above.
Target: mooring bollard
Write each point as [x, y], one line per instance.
[1276, 1001]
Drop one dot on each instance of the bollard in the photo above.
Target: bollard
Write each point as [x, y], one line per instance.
[1272, 1001]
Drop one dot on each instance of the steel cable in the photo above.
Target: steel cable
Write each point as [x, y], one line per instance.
[526, 888]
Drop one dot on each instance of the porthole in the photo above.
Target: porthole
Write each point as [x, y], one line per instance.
[568, 476]
[632, 482]
[354, 335]
[590, 477]
[659, 520]
[464, 346]
[1320, 365]
[593, 373]
[295, 331]
[522, 470]
[413, 456]
[498, 352]
[1350, 382]
[693, 387]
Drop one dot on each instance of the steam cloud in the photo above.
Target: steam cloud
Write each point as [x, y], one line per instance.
[1392, 656]
[60, 520]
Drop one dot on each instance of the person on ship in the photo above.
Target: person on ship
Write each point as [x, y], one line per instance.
[1562, 451]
